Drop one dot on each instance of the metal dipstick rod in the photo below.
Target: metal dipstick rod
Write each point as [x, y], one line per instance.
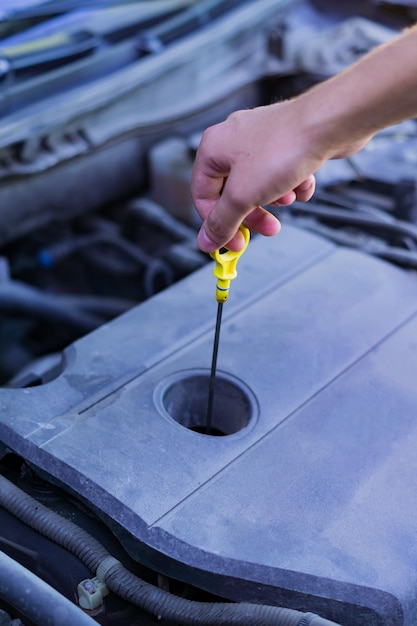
[224, 271]
[213, 368]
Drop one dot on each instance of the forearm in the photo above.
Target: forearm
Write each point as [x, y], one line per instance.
[267, 155]
[378, 91]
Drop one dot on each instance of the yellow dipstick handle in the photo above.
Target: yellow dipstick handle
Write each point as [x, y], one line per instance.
[225, 268]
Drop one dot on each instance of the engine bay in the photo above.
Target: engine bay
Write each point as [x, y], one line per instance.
[302, 500]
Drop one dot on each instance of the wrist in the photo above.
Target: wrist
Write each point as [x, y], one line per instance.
[344, 112]
[333, 120]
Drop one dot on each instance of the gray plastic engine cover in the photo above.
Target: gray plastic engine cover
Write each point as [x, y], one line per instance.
[312, 504]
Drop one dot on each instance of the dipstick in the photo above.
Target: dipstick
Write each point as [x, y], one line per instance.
[213, 368]
[224, 271]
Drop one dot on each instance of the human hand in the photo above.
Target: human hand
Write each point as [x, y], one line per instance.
[254, 158]
[268, 155]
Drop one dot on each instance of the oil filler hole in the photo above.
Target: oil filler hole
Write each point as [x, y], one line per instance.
[184, 398]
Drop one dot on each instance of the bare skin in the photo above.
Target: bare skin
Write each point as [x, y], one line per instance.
[268, 155]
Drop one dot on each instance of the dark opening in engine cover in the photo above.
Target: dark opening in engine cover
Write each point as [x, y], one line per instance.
[308, 498]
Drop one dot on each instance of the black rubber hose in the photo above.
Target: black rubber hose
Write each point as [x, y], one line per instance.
[394, 228]
[155, 270]
[149, 212]
[19, 298]
[131, 588]
[191, 613]
[342, 201]
[398, 256]
[35, 599]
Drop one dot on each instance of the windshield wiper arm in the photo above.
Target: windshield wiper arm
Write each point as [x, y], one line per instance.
[61, 6]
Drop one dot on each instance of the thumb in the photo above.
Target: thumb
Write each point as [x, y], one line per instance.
[221, 226]
[211, 238]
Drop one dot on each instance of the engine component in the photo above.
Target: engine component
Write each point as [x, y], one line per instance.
[225, 271]
[292, 507]
[301, 494]
[111, 574]
[35, 598]
[79, 136]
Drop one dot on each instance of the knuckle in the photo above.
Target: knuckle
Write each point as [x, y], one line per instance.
[236, 116]
[210, 135]
[216, 226]
[236, 199]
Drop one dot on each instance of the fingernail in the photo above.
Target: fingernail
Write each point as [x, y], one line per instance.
[240, 241]
[205, 243]
[306, 184]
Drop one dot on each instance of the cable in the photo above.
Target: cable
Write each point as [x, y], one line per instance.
[131, 588]
[35, 599]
